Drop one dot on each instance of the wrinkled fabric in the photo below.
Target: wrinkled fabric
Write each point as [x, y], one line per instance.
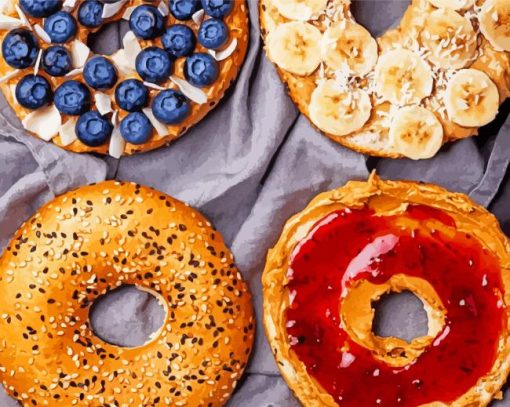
[250, 165]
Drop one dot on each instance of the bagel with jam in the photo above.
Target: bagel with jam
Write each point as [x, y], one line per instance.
[176, 62]
[352, 245]
[437, 77]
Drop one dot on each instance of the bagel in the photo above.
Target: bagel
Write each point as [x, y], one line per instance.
[165, 79]
[352, 245]
[437, 77]
[90, 241]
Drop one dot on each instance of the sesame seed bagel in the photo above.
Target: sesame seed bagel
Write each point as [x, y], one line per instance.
[218, 63]
[437, 77]
[90, 241]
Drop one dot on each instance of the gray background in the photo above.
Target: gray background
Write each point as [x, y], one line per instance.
[248, 166]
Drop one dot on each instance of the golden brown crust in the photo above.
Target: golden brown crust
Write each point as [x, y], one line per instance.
[90, 241]
[494, 63]
[238, 23]
[385, 198]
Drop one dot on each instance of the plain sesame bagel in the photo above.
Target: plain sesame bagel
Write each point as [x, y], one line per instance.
[90, 241]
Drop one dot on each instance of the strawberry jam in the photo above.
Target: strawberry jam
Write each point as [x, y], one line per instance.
[355, 244]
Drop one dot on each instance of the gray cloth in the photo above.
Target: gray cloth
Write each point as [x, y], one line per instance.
[251, 164]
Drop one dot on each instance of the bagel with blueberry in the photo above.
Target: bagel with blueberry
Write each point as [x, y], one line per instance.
[176, 62]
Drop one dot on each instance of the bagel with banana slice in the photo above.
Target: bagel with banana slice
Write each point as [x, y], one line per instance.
[436, 78]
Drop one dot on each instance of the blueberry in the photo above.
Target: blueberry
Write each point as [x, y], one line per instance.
[33, 92]
[93, 129]
[217, 8]
[179, 41]
[147, 22]
[154, 65]
[184, 9]
[61, 27]
[100, 73]
[57, 61]
[132, 95]
[40, 8]
[90, 13]
[136, 128]
[201, 70]
[170, 107]
[20, 49]
[72, 98]
[213, 33]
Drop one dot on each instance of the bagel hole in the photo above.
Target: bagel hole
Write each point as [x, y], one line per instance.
[126, 316]
[107, 40]
[400, 315]
[378, 16]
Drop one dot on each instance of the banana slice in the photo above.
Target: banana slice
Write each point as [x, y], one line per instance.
[337, 111]
[453, 4]
[450, 38]
[403, 77]
[416, 133]
[301, 10]
[295, 47]
[347, 43]
[471, 98]
[494, 18]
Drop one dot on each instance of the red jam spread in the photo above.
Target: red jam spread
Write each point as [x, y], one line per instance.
[465, 276]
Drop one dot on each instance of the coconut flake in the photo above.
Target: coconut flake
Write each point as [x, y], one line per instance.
[10, 75]
[123, 63]
[74, 72]
[4, 5]
[38, 62]
[23, 17]
[154, 86]
[161, 129]
[13, 93]
[43, 35]
[132, 48]
[114, 117]
[193, 93]
[103, 103]
[163, 8]
[44, 122]
[80, 53]
[117, 144]
[110, 9]
[224, 54]
[9, 23]
[67, 132]
[70, 4]
[198, 16]
[128, 12]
